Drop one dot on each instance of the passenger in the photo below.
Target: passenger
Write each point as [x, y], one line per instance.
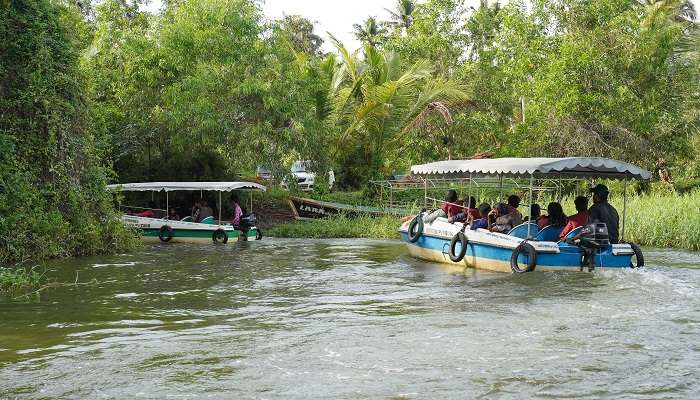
[450, 208]
[196, 210]
[468, 213]
[502, 219]
[535, 213]
[578, 219]
[129, 211]
[237, 211]
[172, 214]
[483, 222]
[513, 204]
[148, 213]
[602, 211]
[205, 211]
[555, 216]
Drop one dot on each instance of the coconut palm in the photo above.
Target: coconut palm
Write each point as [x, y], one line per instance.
[378, 102]
[370, 32]
[402, 17]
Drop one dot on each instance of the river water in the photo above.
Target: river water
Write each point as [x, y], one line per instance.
[349, 319]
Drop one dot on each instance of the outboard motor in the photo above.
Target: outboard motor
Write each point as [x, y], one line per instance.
[247, 222]
[594, 236]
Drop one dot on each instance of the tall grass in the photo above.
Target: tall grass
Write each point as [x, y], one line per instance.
[340, 227]
[663, 220]
[19, 281]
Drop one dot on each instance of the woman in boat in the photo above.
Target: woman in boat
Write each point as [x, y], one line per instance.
[501, 219]
[535, 213]
[483, 222]
[172, 214]
[555, 216]
[468, 213]
[196, 210]
[237, 211]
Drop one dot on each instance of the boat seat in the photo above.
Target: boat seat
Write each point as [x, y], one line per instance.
[186, 219]
[549, 233]
[520, 231]
[208, 220]
[574, 232]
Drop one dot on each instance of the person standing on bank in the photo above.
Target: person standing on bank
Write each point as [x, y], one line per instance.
[602, 211]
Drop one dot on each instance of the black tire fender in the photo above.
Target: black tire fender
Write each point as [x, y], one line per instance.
[638, 253]
[166, 233]
[415, 228]
[460, 238]
[219, 236]
[531, 257]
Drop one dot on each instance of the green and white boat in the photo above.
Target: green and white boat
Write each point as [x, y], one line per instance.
[185, 231]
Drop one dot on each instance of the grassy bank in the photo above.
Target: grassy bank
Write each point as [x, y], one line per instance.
[19, 281]
[658, 220]
[339, 227]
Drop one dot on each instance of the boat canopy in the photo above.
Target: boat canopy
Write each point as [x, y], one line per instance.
[186, 186]
[574, 167]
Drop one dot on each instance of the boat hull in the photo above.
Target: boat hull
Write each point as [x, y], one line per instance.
[493, 251]
[183, 232]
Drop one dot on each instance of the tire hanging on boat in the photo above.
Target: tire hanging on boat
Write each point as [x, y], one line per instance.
[638, 254]
[531, 258]
[219, 236]
[258, 234]
[415, 228]
[165, 234]
[460, 238]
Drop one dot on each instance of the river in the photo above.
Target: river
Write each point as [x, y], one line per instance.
[349, 319]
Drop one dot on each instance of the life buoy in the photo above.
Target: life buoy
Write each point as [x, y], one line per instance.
[531, 258]
[638, 254]
[415, 228]
[165, 234]
[258, 234]
[219, 236]
[460, 238]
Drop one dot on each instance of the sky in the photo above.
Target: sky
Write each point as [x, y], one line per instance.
[334, 16]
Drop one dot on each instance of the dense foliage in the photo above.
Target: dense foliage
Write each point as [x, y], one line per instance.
[210, 89]
[53, 200]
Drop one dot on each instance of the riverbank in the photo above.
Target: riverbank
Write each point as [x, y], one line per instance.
[655, 220]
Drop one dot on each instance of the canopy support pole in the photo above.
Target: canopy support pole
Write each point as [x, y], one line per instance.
[220, 207]
[624, 210]
[251, 202]
[469, 198]
[167, 205]
[529, 212]
[425, 197]
[500, 188]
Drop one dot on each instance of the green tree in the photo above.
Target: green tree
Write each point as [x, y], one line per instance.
[402, 15]
[300, 33]
[378, 103]
[370, 32]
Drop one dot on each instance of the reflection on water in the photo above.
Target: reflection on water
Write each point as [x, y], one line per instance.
[350, 319]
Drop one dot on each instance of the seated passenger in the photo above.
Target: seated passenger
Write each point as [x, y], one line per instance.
[172, 214]
[148, 213]
[535, 213]
[196, 210]
[513, 204]
[468, 212]
[450, 207]
[555, 216]
[578, 219]
[205, 211]
[483, 222]
[502, 220]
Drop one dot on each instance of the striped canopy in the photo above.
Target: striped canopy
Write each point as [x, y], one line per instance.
[185, 186]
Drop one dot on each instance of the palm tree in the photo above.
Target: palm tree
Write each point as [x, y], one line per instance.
[682, 11]
[370, 32]
[403, 16]
[378, 102]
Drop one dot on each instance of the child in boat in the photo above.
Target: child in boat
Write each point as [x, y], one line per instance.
[483, 222]
[172, 214]
[578, 219]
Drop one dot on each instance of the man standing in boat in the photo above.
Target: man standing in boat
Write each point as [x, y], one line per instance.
[602, 211]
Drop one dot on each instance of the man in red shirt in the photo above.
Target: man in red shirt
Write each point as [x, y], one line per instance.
[578, 219]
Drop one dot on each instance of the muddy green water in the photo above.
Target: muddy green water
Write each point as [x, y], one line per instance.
[350, 319]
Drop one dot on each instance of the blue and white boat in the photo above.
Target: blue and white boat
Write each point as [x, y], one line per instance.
[525, 248]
